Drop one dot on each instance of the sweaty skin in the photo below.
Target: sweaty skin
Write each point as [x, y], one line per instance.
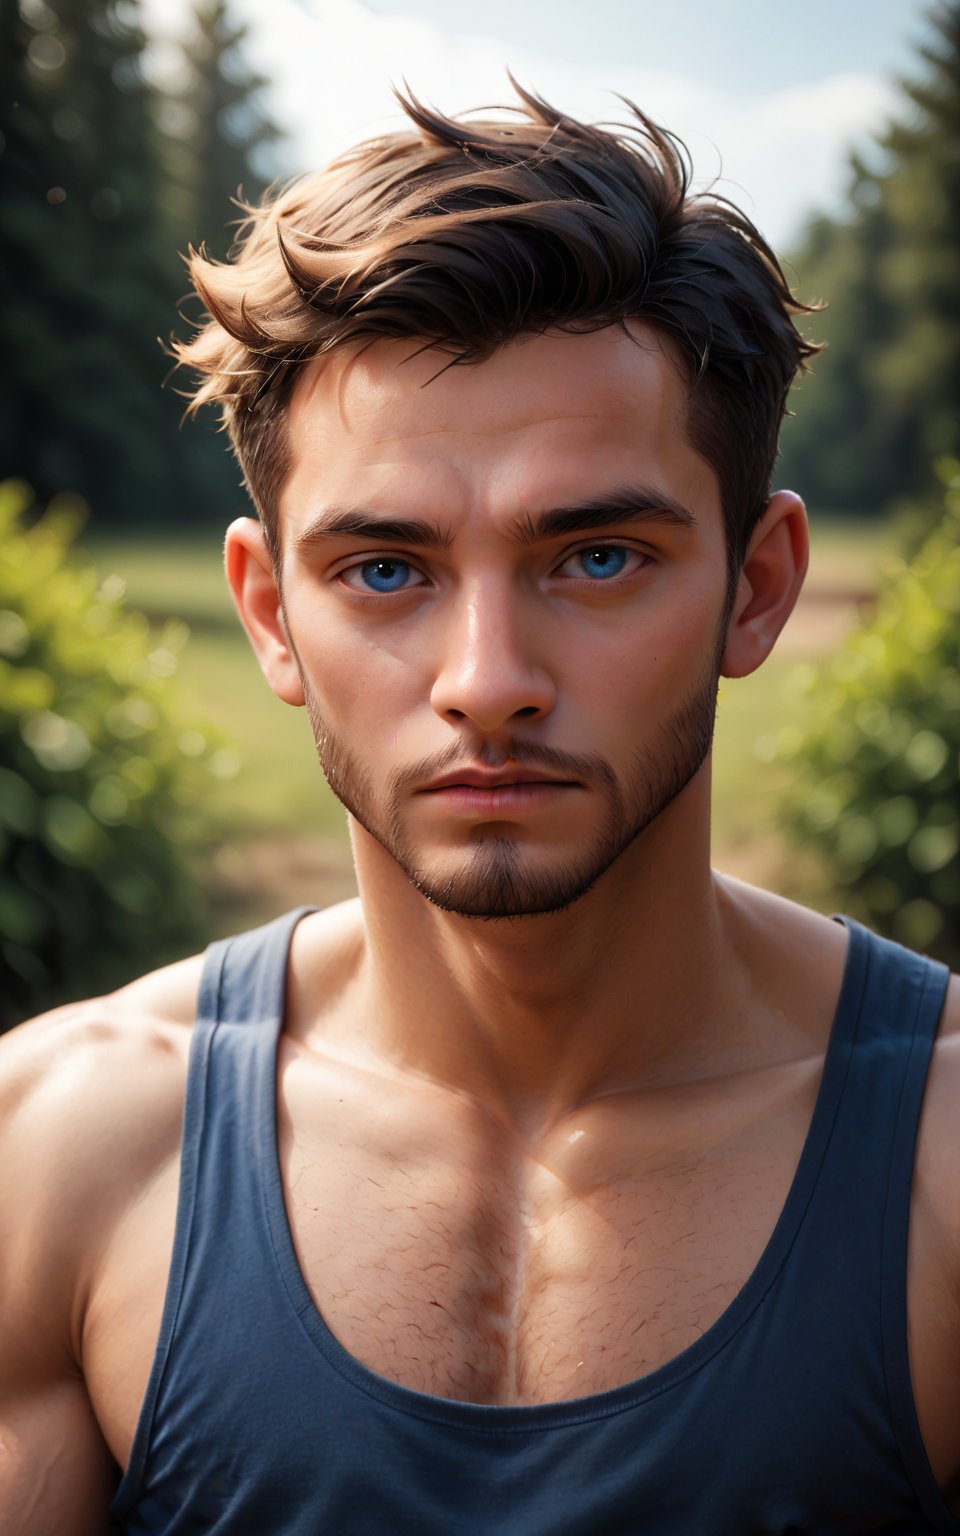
[504, 1138]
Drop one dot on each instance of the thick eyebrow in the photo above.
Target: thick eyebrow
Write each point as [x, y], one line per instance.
[631, 504]
[358, 523]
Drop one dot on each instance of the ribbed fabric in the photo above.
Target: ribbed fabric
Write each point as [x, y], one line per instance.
[792, 1413]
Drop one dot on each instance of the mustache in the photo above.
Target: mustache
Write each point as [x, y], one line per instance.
[566, 765]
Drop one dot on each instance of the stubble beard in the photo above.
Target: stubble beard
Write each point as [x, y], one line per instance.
[494, 878]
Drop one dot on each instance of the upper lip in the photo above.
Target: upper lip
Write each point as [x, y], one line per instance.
[494, 778]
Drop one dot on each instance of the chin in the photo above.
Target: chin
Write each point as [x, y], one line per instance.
[500, 880]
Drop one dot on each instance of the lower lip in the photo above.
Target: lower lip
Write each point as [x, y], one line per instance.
[505, 797]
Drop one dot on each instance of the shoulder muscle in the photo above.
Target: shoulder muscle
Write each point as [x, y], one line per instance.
[91, 1102]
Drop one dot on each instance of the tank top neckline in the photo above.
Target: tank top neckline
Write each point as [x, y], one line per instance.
[501, 1418]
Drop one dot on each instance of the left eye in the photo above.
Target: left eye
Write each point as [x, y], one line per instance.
[599, 563]
[383, 575]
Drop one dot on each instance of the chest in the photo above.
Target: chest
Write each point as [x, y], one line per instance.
[448, 1260]
[451, 1260]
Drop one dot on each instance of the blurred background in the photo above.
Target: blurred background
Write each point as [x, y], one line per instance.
[153, 793]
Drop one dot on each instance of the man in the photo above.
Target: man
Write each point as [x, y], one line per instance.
[558, 1184]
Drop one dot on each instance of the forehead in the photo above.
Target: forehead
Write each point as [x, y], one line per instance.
[544, 418]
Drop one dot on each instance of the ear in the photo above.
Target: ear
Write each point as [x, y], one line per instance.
[769, 585]
[257, 598]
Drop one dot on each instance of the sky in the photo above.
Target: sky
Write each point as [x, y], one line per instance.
[769, 98]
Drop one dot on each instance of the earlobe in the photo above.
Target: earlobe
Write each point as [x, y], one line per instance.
[257, 599]
[770, 581]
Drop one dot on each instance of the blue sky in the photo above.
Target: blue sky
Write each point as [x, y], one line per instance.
[769, 98]
[739, 43]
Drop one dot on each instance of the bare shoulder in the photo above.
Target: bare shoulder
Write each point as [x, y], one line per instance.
[91, 1099]
[803, 953]
[325, 952]
[782, 923]
[795, 957]
[90, 1108]
[91, 1095]
[90, 1056]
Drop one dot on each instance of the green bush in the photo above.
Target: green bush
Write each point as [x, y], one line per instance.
[105, 792]
[875, 759]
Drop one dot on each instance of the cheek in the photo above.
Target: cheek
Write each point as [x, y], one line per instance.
[654, 657]
[363, 684]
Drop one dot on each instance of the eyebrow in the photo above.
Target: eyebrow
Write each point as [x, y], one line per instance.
[358, 523]
[629, 504]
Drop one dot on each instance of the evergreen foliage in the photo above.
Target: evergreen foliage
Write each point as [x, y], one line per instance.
[100, 197]
[222, 128]
[882, 401]
[105, 792]
[875, 760]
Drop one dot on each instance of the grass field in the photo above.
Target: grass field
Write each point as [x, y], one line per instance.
[290, 842]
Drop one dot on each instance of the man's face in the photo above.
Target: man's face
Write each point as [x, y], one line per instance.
[516, 674]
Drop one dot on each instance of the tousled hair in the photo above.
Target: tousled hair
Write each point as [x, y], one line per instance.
[467, 233]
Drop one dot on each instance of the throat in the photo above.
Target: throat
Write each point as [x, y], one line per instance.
[553, 1008]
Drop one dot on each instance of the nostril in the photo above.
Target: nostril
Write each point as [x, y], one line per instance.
[527, 711]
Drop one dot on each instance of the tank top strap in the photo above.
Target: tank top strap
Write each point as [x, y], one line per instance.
[240, 1010]
[880, 1053]
[909, 993]
[227, 1120]
[229, 1117]
[244, 978]
[884, 1030]
[884, 1033]
[900, 996]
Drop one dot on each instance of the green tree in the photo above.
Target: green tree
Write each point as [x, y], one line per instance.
[101, 193]
[219, 145]
[875, 751]
[224, 139]
[882, 402]
[106, 791]
[84, 283]
[29, 166]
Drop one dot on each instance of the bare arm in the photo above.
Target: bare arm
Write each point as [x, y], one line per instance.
[934, 1258]
[91, 1101]
[56, 1473]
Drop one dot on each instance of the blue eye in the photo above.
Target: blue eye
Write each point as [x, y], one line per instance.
[604, 561]
[383, 575]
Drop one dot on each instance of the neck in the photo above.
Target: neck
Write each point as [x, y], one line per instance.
[536, 1016]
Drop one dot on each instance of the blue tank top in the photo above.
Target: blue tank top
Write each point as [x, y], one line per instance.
[792, 1413]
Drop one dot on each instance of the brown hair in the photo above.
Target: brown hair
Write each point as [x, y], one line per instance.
[466, 234]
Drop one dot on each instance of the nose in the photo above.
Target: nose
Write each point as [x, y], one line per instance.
[489, 675]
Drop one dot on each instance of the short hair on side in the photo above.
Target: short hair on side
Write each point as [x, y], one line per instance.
[465, 233]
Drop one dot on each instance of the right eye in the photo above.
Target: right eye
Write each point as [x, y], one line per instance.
[381, 576]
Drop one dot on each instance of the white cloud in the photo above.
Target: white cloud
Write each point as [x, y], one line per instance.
[782, 153]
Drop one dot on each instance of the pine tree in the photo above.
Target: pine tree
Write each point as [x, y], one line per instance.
[884, 399]
[101, 194]
[37, 161]
[226, 135]
[85, 287]
[217, 147]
